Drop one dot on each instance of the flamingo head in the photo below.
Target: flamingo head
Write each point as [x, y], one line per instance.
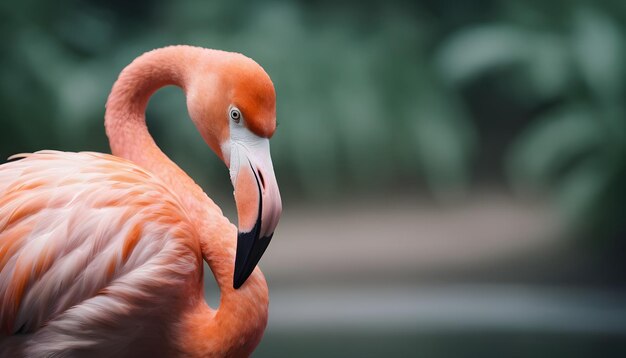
[233, 104]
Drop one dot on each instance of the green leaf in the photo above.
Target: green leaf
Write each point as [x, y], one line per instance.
[555, 139]
[471, 52]
[598, 45]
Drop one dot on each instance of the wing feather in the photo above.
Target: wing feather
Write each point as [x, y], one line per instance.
[81, 230]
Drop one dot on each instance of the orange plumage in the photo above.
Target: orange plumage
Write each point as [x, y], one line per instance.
[102, 255]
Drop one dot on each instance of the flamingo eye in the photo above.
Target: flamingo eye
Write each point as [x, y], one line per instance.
[235, 115]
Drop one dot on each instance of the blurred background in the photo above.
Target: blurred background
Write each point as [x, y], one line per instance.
[452, 171]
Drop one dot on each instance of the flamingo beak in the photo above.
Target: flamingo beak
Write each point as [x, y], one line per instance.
[258, 203]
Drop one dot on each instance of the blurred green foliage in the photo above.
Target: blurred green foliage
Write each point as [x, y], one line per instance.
[439, 96]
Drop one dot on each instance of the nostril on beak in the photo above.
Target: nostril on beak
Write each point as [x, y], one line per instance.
[258, 172]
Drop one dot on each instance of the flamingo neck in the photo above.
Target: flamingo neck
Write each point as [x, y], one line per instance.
[237, 326]
[125, 120]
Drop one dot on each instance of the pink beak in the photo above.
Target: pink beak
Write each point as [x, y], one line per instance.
[258, 204]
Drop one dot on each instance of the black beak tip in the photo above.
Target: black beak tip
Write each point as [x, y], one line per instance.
[238, 280]
[250, 248]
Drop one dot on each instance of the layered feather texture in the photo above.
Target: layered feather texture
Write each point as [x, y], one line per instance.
[89, 242]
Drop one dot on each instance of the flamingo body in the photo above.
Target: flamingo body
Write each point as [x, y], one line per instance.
[102, 255]
[88, 242]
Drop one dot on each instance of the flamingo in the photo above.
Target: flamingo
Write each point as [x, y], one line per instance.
[102, 255]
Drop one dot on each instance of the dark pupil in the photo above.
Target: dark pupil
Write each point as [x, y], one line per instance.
[235, 115]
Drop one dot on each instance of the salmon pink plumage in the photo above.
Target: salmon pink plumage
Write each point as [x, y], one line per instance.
[102, 255]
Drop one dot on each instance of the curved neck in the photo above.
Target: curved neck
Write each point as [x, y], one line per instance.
[242, 314]
[125, 121]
